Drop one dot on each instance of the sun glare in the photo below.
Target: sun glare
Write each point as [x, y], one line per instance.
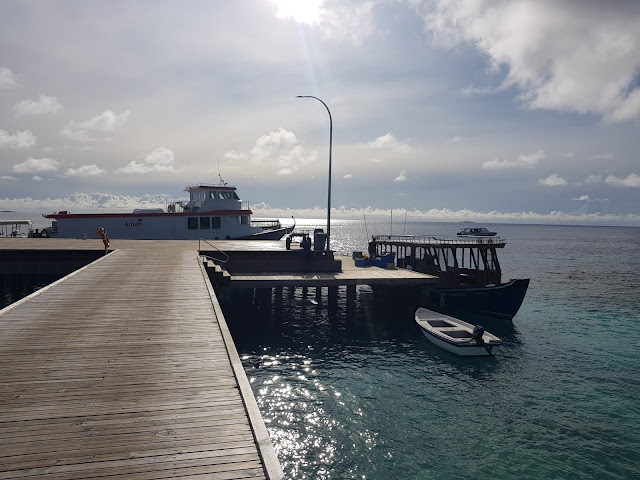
[301, 11]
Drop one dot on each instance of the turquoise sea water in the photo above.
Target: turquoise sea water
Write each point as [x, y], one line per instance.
[362, 394]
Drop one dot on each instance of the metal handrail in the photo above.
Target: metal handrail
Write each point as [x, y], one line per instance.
[209, 257]
[448, 240]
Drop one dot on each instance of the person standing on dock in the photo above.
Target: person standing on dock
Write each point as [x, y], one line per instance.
[102, 233]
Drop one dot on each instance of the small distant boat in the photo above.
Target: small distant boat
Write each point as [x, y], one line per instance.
[456, 336]
[476, 232]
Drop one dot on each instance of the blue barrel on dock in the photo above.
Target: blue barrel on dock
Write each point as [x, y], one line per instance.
[385, 259]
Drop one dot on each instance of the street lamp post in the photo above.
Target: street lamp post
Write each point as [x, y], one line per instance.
[330, 145]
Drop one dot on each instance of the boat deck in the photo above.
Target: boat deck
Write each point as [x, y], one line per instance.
[126, 369]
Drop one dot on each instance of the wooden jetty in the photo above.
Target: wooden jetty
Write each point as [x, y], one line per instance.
[126, 369]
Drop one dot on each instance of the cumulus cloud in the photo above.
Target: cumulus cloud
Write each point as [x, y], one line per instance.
[44, 105]
[402, 177]
[281, 150]
[85, 171]
[7, 78]
[553, 180]
[106, 123]
[388, 142]
[593, 179]
[33, 165]
[631, 180]
[36, 178]
[578, 56]
[22, 140]
[233, 155]
[347, 176]
[448, 215]
[581, 198]
[84, 202]
[159, 160]
[523, 161]
[7, 177]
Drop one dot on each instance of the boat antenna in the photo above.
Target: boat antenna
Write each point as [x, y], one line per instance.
[405, 223]
[222, 182]
[391, 230]
[366, 232]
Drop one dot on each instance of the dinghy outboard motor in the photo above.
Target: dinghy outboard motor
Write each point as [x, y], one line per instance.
[478, 332]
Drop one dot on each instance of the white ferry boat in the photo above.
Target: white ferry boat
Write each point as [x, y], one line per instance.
[214, 212]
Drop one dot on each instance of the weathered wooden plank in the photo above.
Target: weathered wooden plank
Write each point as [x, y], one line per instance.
[122, 370]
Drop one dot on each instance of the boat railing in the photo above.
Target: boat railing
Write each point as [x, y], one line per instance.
[221, 260]
[266, 223]
[440, 240]
[208, 185]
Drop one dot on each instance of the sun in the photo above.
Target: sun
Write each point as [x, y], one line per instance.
[301, 11]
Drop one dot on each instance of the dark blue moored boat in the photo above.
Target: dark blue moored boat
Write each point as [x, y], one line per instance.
[502, 300]
[470, 278]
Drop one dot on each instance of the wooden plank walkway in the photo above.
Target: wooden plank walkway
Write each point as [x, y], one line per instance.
[125, 369]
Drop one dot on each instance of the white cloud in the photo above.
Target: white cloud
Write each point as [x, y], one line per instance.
[233, 155]
[281, 150]
[523, 161]
[85, 171]
[159, 160]
[567, 56]
[603, 156]
[7, 177]
[7, 78]
[553, 180]
[631, 180]
[581, 198]
[447, 215]
[339, 21]
[568, 155]
[593, 179]
[388, 142]
[106, 123]
[347, 176]
[33, 165]
[402, 177]
[20, 140]
[37, 178]
[43, 106]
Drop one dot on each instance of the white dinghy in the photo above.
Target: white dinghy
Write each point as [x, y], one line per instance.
[456, 336]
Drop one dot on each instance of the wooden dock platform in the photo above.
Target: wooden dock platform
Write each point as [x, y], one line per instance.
[126, 369]
[349, 276]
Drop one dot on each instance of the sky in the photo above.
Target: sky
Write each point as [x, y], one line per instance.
[480, 110]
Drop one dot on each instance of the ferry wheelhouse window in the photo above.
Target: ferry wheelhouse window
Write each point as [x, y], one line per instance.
[205, 223]
[215, 222]
[244, 219]
[213, 195]
[192, 223]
